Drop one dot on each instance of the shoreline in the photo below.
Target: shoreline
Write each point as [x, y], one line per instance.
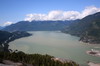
[16, 35]
[88, 40]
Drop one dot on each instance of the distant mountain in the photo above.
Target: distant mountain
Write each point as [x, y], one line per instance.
[38, 26]
[88, 29]
[1, 27]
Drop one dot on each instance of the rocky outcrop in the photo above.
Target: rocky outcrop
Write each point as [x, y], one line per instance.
[93, 64]
[11, 63]
[64, 61]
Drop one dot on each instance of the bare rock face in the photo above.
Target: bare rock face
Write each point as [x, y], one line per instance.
[64, 61]
[11, 63]
[5, 65]
[93, 64]
[8, 62]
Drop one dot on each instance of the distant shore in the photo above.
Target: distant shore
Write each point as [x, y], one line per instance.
[16, 35]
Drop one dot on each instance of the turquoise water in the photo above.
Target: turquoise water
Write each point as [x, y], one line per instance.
[56, 44]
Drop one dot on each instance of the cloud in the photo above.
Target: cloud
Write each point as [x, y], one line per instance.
[31, 17]
[7, 23]
[63, 15]
[89, 10]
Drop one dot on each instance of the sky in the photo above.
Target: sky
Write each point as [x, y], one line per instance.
[12, 11]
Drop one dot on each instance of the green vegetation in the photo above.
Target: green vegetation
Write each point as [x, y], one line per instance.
[34, 59]
[6, 37]
[88, 29]
[37, 26]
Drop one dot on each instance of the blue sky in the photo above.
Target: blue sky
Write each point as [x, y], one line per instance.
[16, 10]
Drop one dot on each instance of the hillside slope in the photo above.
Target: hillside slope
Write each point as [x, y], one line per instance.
[38, 26]
[6, 37]
[88, 29]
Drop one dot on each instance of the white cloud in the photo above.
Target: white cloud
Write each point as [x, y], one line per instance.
[89, 10]
[63, 15]
[31, 17]
[55, 15]
[7, 23]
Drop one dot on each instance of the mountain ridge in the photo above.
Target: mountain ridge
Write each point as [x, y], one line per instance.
[38, 26]
[88, 29]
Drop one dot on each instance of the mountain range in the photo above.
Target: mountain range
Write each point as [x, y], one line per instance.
[38, 26]
[88, 28]
[1, 27]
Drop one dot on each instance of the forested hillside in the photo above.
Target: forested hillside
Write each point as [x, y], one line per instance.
[6, 37]
[33, 59]
[87, 28]
[38, 26]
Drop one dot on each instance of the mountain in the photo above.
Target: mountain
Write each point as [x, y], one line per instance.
[38, 26]
[6, 37]
[1, 27]
[88, 29]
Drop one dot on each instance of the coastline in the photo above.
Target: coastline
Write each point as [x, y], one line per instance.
[85, 39]
[16, 35]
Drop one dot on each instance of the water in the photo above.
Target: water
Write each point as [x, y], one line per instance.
[56, 44]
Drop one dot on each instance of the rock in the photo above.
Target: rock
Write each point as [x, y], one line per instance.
[93, 64]
[94, 52]
[5, 65]
[8, 62]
